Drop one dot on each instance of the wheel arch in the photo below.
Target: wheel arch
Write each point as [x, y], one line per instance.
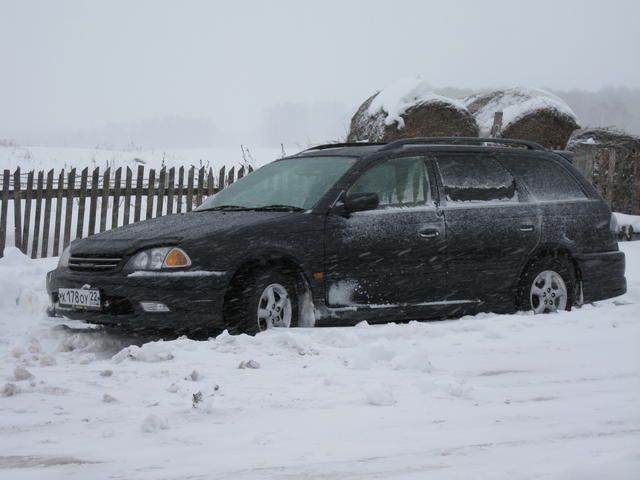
[266, 260]
[553, 251]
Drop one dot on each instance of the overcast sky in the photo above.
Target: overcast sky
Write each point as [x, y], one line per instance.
[83, 64]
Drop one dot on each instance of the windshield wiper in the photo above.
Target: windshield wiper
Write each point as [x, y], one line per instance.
[264, 208]
[279, 208]
[224, 207]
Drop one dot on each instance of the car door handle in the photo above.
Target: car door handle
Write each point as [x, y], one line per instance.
[429, 233]
[527, 228]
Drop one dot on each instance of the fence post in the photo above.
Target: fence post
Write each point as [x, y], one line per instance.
[496, 128]
[17, 208]
[172, 175]
[127, 196]
[116, 198]
[26, 226]
[231, 175]
[104, 204]
[179, 192]
[210, 183]
[58, 217]
[160, 199]
[3, 214]
[200, 186]
[68, 214]
[82, 200]
[36, 226]
[138, 205]
[221, 178]
[241, 172]
[150, 188]
[47, 214]
[190, 190]
[93, 201]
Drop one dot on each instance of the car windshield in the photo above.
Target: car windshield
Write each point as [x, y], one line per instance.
[294, 184]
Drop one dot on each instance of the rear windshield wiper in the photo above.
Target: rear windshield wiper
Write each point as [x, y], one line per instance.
[279, 208]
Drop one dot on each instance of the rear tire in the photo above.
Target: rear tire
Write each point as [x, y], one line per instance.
[548, 285]
[267, 299]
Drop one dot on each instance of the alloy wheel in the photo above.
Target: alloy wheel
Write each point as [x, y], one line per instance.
[274, 308]
[548, 292]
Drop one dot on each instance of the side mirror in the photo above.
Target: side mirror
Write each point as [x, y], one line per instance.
[359, 202]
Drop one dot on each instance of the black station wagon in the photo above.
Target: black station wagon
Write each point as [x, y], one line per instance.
[421, 228]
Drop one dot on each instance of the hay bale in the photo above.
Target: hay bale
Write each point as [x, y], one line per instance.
[604, 137]
[528, 114]
[410, 109]
[610, 159]
[365, 127]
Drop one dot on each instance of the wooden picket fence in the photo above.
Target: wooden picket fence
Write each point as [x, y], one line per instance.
[114, 199]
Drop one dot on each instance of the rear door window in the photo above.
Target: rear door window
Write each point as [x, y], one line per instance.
[544, 179]
[475, 178]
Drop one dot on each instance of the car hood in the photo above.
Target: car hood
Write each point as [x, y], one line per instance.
[171, 229]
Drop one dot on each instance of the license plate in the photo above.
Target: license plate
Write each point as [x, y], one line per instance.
[77, 297]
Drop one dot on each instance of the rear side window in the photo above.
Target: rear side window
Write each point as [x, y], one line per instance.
[545, 180]
[476, 178]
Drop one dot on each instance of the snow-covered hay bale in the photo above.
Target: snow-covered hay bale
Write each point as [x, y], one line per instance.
[528, 114]
[610, 159]
[604, 137]
[410, 109]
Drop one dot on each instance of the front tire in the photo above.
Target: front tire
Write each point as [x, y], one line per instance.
[267, 300]
[547, 286]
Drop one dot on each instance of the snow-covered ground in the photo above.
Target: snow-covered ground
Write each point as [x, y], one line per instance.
[630, 220]
[489, 397]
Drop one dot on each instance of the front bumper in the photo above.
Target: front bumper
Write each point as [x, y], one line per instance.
[602, 275]
[194, 302]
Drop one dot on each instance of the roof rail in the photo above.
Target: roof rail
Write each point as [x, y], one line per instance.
[338, 145]
[566, 154]
[473, 140]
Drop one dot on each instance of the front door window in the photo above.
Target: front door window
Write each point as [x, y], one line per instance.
[399, 182]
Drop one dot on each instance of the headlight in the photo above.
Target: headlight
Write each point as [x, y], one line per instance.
[159, 258]
[63, 262]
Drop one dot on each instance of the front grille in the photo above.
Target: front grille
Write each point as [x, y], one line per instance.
[94, 263]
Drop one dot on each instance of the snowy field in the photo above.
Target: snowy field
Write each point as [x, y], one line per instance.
[484, 397]
[45, 158]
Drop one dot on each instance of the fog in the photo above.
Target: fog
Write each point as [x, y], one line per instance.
[204, 73]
